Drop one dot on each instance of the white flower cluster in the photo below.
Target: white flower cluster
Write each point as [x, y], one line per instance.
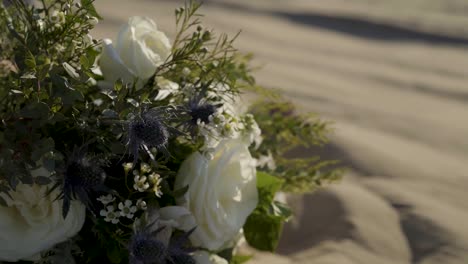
[145, 179]
[125, 209]
[224, 124]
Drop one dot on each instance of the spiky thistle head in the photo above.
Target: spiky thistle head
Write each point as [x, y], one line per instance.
[82, 176]
[147, 130]
[144, 248]
[147, 246]
[200, 110]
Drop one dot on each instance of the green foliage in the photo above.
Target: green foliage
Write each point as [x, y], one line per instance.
[283, 130]
[263, 227]
[239, 259]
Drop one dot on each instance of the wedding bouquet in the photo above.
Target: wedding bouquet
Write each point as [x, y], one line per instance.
[140, 150]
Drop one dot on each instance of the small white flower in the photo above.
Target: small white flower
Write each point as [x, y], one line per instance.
[106, 199]
[141, 205]
[140, 184]
[93, 21]
[266, 160]
[156, 179]
[127, 210]
[186, 71]
[127, 166]
[145, 168]
[166, 88]
[57, 17]
[110, 215]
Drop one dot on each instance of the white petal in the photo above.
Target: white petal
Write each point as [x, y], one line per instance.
[112, 66]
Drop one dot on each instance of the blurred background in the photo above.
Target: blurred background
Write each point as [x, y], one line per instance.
[393, 76]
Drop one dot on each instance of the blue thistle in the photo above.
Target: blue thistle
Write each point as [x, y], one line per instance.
[144, 248]
[82, 177]
[147, 130]
[198, 109]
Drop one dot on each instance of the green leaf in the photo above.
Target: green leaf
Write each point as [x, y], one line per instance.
[88, 5]
[268, 182]
[267, 186]
[113, 253]
[282, 210]
[239, 259]
[262, 231]
[35, 111]
[30, 60]
[263, 227]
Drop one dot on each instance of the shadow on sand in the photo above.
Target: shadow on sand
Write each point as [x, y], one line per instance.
[350, 25]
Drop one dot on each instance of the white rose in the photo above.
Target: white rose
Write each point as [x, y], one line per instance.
[170, 217]
[33, 222]
[222, 192]
[203, 257]
[140, 48]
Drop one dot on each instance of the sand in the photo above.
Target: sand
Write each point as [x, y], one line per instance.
[393, 76]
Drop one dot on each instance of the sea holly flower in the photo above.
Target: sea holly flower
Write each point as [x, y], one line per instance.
[147, 131]
[82, 177]
[144, 248]
[110, 215]
[126, 209]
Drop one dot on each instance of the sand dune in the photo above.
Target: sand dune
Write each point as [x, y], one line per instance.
[393, 76]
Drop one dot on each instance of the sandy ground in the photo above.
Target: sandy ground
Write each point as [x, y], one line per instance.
[393, 76]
